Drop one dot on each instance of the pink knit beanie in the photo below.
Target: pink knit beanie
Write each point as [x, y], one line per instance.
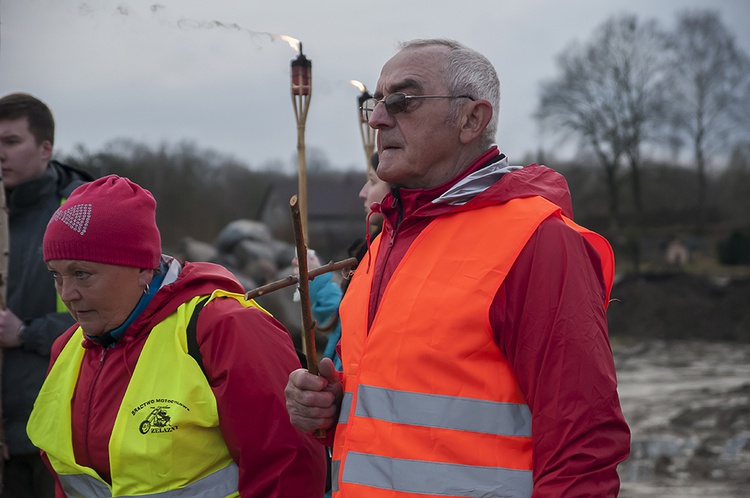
[110, 220]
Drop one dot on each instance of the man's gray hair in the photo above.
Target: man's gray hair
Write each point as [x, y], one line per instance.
[467, 73]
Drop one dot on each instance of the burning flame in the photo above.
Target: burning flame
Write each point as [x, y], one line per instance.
[359, 85]
[293, 42]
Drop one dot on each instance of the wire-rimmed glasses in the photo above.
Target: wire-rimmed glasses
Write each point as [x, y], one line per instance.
[398, 102]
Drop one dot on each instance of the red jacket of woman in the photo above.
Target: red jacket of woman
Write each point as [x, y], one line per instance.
[247, 356]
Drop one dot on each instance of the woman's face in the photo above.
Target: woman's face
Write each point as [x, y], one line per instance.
[99, 296]
[373, 190]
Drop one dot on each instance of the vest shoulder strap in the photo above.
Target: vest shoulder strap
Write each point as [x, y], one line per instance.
[192, 339]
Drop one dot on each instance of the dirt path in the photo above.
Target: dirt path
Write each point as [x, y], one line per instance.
[688, 405]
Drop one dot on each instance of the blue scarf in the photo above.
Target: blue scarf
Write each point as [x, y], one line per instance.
[108, 339]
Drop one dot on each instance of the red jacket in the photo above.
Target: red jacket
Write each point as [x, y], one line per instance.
[247, 355]
[548, 319]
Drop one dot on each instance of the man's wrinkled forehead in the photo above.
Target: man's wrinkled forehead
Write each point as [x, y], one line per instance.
[406, 85]
[412, 71]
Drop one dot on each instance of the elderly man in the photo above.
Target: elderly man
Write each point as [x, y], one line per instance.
[474, 340]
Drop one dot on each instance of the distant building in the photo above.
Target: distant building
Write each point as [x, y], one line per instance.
[677, 252]
[335, 214]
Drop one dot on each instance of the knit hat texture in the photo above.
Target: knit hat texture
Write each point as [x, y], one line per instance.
[110, 220]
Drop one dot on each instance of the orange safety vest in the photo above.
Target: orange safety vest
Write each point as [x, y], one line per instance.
[431, 406]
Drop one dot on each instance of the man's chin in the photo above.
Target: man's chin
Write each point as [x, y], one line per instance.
[388, 166]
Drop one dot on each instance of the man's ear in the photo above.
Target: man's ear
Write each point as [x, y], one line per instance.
[474, 119]
[46, 150]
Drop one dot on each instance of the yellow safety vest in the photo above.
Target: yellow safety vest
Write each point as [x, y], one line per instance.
[166, 439]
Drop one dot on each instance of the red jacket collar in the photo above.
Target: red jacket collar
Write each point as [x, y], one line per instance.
[412, 199]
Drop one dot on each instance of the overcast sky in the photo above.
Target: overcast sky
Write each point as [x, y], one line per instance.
[212, 72]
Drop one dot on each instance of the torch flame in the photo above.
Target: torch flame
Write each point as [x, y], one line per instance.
[359, 85]
[293, 42]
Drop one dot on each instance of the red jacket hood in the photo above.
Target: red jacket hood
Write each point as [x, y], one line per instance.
[528, 181]
[195, 279]
[488, 180]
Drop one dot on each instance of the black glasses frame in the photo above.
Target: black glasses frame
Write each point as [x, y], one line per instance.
[398, 102]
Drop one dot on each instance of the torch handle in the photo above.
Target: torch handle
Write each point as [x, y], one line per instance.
[308, 325]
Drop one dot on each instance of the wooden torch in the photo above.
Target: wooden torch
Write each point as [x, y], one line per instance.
[366, 133]
[301, 90]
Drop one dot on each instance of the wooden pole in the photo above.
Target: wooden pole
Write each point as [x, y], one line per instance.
[291, 279]
[302, 176]
[366, 133]
[308, 324]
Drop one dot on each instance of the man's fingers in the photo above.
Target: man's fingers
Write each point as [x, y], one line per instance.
[327, 370]
[310, 406]
[303, 380]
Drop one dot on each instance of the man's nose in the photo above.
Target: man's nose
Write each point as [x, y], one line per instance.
[380, 117]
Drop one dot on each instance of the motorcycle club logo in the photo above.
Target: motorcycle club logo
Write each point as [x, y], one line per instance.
[156, 415]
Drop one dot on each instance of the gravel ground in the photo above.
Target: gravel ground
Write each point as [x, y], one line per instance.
[688, 406]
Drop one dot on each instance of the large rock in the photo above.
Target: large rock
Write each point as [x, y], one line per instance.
[196, 250]
[248, 251]
[238, 230]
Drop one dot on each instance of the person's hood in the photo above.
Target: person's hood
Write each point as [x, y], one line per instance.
[489, 180]
[178, 284]
[58, 179]
[184, 282]
[497, 185]
[69, 178]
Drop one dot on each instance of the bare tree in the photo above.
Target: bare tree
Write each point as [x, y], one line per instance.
[610, 95]
[579, 103]
[709, 88]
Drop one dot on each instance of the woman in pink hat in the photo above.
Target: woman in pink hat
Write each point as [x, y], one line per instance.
[144, 395]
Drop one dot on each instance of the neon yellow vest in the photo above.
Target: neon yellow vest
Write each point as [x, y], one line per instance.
[166, 436]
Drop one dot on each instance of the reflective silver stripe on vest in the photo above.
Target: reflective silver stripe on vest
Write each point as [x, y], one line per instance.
[433, 478]
[335, 467]
[445, 412]
[83, 486]
[223, 482]
[346, 407]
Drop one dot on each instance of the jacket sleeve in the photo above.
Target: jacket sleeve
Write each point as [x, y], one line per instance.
[40, 333]
[325, 297]
[59, 492]
[248, 357]
[549, 319]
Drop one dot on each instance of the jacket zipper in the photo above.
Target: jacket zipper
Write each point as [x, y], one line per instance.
[92, 388]
[398, 205]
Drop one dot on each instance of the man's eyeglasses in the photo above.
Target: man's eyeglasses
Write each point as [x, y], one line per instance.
[398, 102]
